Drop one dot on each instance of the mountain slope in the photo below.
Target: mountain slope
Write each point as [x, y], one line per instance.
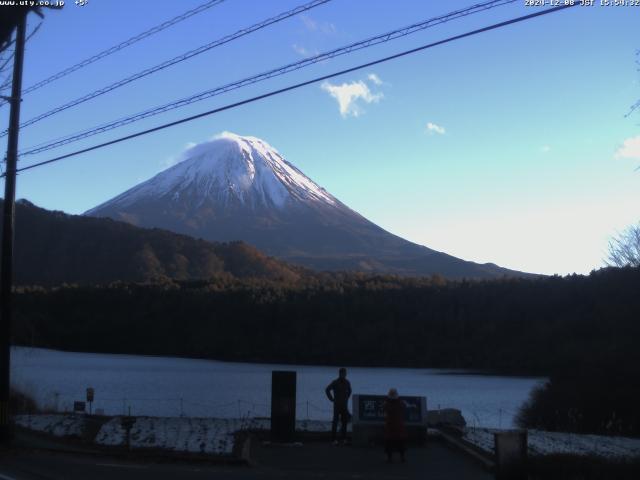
[241, 188]
[52, 248]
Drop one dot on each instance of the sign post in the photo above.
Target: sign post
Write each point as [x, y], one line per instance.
[90, 393]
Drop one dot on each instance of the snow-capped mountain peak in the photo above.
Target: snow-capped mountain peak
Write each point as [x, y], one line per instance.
[230, 169]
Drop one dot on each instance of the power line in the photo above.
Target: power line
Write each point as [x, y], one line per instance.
[6, 62]
[369, 42]
[175, 60]
[6, 82]
[123, 45]
[299, 85]
[33, 32]
[10, 57]
[7, 44]
[3, 67]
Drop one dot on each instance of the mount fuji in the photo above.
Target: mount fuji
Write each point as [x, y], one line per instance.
[240, 188]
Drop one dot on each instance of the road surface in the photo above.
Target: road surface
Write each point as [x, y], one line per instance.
[310, 461]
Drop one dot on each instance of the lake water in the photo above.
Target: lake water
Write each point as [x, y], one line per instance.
[162, 386]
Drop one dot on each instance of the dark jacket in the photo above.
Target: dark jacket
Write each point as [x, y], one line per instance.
[394, 428]
[339, 392]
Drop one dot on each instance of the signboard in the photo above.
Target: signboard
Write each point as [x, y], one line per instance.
[370, 408]
[90, 393]
[79, 406]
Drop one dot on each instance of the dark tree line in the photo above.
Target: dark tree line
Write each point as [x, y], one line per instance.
[513, 325]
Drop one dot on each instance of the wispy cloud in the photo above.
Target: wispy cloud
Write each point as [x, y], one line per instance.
[349, 96]
[309, 22]
[545, 149]
[375, 79]
[630, 148]
[175, 159]
[432, 128]
[312, 25]
[300, 50]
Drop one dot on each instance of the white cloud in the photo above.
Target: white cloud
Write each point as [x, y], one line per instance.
[309, 22]
[629, 149]
[300, 50]
[375, 79]
[312, 25]
[222, 134]
[433, 128]
[545, 148]
[349, 94]
[328, 28]
[175, 159]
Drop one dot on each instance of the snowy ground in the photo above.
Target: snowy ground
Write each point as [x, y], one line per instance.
[195, 435]
[198, 435]
[56, 425]
[546, 443]
[201, 435]
[216, 435]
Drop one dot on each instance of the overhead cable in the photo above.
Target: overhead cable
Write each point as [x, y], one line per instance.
[123, 45]
[174, 61]
[299, 85]
[369, 42]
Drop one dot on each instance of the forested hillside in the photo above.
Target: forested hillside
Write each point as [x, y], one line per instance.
[52, 248]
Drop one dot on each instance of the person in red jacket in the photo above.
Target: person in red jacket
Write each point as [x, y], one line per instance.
[395, 433]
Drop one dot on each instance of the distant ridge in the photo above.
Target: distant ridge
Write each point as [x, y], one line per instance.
[52, 248]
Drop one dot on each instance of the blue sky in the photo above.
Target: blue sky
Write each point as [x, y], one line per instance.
[509, 147]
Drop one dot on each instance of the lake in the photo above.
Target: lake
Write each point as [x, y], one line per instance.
[164, 386]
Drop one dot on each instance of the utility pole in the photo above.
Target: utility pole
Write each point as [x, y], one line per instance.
[8, 220]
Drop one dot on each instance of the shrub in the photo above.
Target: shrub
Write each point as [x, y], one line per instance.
[21, 403]
[596, 401]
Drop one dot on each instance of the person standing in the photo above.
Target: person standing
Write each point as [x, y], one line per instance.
[395, 433]
[339, 392]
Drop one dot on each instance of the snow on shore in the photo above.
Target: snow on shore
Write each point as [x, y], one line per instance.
[197, 435]
[201, 435]
[56, 425]
[216, 436]
[180, 434]
[548, 443]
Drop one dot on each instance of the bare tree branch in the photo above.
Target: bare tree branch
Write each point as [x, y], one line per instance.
[624, 250]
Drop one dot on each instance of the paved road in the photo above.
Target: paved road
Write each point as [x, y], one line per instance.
[321, 460]
[39, 465]
[311, 461]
